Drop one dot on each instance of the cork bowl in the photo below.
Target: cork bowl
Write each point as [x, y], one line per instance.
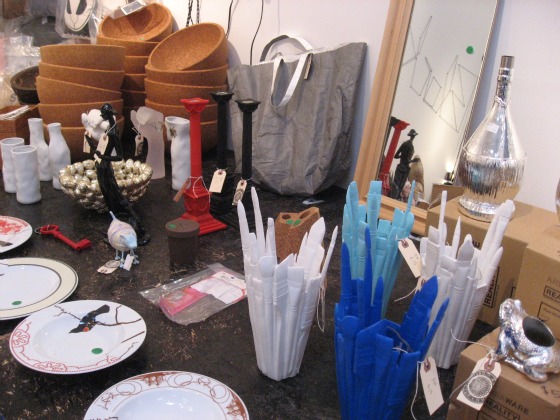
[208, 77]
[133, 82]
[135, 64]
[133, 98]
[135, 48]
[74, 137]
[104, 79]
[210, 113]
[153, 23]
[53, 91]
[165, 93]
[88, 56]
[196, 47]
[70, 115]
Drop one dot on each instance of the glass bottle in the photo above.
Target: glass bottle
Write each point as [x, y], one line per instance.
[492, 160]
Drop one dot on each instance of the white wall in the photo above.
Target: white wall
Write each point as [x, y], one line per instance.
[528, 30]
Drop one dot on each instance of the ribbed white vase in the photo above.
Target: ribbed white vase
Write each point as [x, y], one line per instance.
[178, 132]
[37, 139]
[26, 164]
[59, 153]
[8, 170]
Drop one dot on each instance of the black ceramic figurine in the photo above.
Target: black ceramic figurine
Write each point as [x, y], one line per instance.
[115, 200]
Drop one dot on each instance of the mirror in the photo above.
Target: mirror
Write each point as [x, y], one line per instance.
[426, 80]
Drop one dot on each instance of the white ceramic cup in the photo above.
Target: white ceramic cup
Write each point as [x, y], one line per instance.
[8, 171]
[26, 164]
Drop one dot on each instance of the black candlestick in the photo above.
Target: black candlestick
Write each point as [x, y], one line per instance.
[247, 106]
[221, 203]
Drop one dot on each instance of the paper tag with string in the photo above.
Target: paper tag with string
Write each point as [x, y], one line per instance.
[239, 191]
[430, 384]
[139, 145]
[109, 267]
[128, 262]
[411, 256]
[101, 146]
[480, 383]
[86, 148]
[218, 181]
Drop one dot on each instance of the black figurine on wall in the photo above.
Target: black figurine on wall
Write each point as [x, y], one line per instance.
[404, 153]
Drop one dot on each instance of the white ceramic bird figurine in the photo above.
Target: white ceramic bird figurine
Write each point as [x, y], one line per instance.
[122, 237]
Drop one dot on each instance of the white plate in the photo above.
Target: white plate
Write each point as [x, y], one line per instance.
[28, 285]
[58, 340]
[169, 396]
[13, 232]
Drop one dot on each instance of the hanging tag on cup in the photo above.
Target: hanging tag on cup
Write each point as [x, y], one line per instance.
[430, 384]
[217, 181]
[239, 191]
[480, 383]
[139, 145]
[101, 146]
[86, 148]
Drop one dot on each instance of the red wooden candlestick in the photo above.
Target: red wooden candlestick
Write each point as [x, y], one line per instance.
[197, 197]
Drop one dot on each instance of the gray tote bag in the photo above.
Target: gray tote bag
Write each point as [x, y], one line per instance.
[301, 129]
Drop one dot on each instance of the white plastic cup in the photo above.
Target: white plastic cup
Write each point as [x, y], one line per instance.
[8, 170]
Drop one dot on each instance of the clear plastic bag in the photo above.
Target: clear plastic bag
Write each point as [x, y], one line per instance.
[196, 297]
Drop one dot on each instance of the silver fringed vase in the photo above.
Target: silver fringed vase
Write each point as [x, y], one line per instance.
[492, 161]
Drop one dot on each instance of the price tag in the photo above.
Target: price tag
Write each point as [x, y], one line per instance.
[430, 384]
[139, 141]
[86, 148]
[218, 181]
[239, 191]
[493, 128]
[109, 267]
[132, 7]
[101, 146]
[128, 262]
[480, 383]
[411, 256]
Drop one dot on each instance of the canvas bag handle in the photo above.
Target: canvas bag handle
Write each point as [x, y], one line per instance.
[278, 61]
[303, 42]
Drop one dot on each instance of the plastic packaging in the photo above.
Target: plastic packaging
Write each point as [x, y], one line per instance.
[196, 297]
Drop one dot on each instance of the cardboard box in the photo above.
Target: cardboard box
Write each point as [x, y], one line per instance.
[538, 287]
[513, 397]
[19, 126]
[527, 223]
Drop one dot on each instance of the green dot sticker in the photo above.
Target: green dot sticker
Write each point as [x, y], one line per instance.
[172, 225]
[16, 302]
[97, 350]
[470, 49]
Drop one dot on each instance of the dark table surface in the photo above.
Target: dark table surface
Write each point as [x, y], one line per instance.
[220, 347]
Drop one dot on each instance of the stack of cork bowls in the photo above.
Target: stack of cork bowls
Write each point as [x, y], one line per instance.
[139, 33]
[190, 63]
[75, 78]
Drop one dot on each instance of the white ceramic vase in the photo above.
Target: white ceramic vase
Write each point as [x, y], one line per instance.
[8, 170]
[178, 132]
[59, 153]
[26, 164]
[149, 123]
[37, 139]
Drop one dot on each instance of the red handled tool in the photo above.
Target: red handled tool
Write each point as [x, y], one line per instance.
[54, 231]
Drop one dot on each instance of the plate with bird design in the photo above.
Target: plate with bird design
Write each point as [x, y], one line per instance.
[28, 285]
[77, 337]
[168, 395]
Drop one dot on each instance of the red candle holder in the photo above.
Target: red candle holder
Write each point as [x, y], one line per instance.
[197, 196]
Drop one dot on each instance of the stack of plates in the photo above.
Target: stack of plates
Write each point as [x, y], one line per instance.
[190, 63]
[75, 78]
